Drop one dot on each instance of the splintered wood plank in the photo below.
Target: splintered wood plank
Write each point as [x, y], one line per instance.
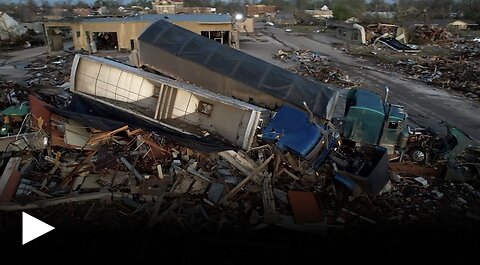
[105, 135]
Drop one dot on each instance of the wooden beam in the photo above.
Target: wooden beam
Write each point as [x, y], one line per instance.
[245, 180]
[55, 201]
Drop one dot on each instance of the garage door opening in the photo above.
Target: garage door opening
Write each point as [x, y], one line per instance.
[220, 36]
[105, 40]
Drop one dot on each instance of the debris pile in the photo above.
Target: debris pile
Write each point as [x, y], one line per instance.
[14, 36]
[162, 181]
[427, 34]
[298, 56]
[313, 65]
[50, 71]
[320, 72]
[410, 199]
[11, 94]
[148, 172]
[375, 31]
[457, 72]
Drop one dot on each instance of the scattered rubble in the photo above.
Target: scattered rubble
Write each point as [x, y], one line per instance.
[425, 34]
[164, 182]
[457, 72]
[315, 66]
[52, 71]
[16, 36]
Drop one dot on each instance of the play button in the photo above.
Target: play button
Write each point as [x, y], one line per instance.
[33, 228]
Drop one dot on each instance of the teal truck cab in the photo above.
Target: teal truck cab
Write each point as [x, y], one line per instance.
[12, 118]
[376, 129]
[369, 120]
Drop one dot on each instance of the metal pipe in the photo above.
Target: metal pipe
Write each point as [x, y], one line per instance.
[387, 90]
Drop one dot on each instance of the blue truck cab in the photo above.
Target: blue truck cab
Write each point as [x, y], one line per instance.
[293, 130]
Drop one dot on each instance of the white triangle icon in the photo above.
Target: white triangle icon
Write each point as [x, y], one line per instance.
[33, 228]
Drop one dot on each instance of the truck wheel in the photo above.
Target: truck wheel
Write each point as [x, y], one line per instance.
[418, 155]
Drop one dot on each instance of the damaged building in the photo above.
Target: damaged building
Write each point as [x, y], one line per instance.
[110, 33]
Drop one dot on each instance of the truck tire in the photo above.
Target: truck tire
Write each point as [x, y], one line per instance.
[418, 155]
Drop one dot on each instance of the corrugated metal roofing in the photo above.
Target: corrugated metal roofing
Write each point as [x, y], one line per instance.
[202, 18]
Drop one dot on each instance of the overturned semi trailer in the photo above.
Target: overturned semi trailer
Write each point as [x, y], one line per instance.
[123, 92]
[187, 56]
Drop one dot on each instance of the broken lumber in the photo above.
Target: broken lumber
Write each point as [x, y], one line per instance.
[245, 180]
[55, 201]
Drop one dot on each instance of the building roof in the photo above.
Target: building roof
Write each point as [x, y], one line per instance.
[466, 21]
[382, 14]
[202, 18]
[282, 15]
[343, 25]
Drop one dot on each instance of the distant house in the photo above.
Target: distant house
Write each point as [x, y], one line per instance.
[285, 19]
[462, 25]
[350, 32]
[196, 9]
[457, 15]
[176, 7]
[322, 13]
[386, 15]
[103, 10]
[450, 24]
[352, 20]
[82, 12]
[58, 13]
[167, 6]
[260, 10]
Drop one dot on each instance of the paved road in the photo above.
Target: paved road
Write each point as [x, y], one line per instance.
[21, 55]
[425, 104]
[12, 63]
